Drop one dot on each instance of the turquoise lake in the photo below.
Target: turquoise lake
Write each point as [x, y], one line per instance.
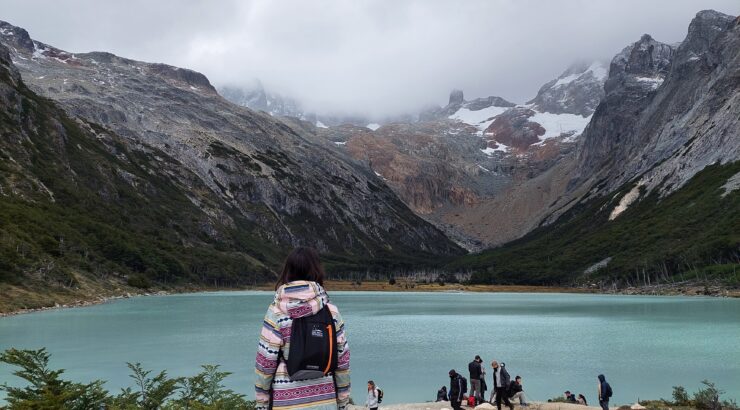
[407, 342]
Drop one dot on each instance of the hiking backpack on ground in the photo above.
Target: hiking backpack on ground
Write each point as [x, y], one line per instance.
[313, 346]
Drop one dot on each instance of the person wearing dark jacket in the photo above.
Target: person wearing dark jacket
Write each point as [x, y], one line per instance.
[501, 381]
[569, 397]
[442, 394]
[475, 370]
[456, 390]
[516, 391]
[605, 392]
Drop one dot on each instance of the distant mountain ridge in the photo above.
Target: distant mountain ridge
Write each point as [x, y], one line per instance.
[253, 186]
[613, 176]
[652, 191]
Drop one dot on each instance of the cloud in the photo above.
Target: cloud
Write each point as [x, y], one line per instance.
[372, 57]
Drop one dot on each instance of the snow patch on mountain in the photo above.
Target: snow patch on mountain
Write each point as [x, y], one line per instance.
[595, 70]
[373, 126]
[558, 124]
[499, 148]
[654, 82]
[479, 118]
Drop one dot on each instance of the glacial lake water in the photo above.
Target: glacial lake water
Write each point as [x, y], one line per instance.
[407, 342]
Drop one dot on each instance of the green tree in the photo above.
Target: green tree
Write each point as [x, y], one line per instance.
[151, 393]
[205, 391]
[681, 396]
[46, 390]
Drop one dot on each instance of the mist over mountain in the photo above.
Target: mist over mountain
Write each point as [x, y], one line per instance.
[362, 58]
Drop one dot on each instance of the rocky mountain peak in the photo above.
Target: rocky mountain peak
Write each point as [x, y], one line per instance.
[578, 90]
[642, 64]
[16, 36]
[456, 97]
[703, 31]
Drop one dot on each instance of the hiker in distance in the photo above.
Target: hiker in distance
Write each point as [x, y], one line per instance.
[483, 385]
[516, 391]
[474, 368]
[458, 387]
[442, 394]
[501, 380]
[374, 396]
[302, 355]
[569, 397]
[582, 400]
[605, 392]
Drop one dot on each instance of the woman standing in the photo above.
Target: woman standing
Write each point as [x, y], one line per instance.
[372, 396]
[299, 293]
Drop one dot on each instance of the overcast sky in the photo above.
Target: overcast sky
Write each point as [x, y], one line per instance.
[375, 57]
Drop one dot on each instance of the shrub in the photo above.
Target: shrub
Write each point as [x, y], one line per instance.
[392, 281]
[139, 281]
[681, 396]
[46, 390]
[151, 392]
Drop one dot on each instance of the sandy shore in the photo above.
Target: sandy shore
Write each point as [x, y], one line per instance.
[484, 406]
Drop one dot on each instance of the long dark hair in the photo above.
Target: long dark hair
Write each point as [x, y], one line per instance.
[302, 264]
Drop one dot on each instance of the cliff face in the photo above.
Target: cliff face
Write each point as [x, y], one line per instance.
[652, 190]
[246, 177]
[669, 112]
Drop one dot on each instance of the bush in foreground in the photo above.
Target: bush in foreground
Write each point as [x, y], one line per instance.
[47, 390]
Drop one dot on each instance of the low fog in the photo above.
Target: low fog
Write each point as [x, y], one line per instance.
[371, 57]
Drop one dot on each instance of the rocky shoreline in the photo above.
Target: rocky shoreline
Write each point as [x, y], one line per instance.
[85, 303]
[445, 405]
[679, 289]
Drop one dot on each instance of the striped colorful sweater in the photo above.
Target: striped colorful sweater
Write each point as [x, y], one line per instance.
[294, 300]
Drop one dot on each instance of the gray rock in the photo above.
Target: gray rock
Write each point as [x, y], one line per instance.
[295, 188]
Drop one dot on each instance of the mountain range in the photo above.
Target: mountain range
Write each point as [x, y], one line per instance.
[119, 174]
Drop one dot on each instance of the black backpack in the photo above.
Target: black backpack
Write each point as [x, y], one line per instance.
[464, 384]
[380, 395]
[313, 346]
[608, 390]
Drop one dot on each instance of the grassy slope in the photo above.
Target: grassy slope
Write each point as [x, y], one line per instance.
[100, 227]
[692, 234]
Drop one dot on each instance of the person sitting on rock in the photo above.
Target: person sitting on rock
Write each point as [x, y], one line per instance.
[442, 394]
[570, 397]
[516, 391]
[582, 400]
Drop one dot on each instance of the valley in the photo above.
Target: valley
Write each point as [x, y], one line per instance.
[124, 176]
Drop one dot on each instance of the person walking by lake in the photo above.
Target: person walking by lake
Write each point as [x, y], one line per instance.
[474, 368]
[457, 389]
[373, 396]
[582, 400]
[605, 392]
[286, 381]
[516, 391]
[442, 394]
[483, 385]
[501, 380]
